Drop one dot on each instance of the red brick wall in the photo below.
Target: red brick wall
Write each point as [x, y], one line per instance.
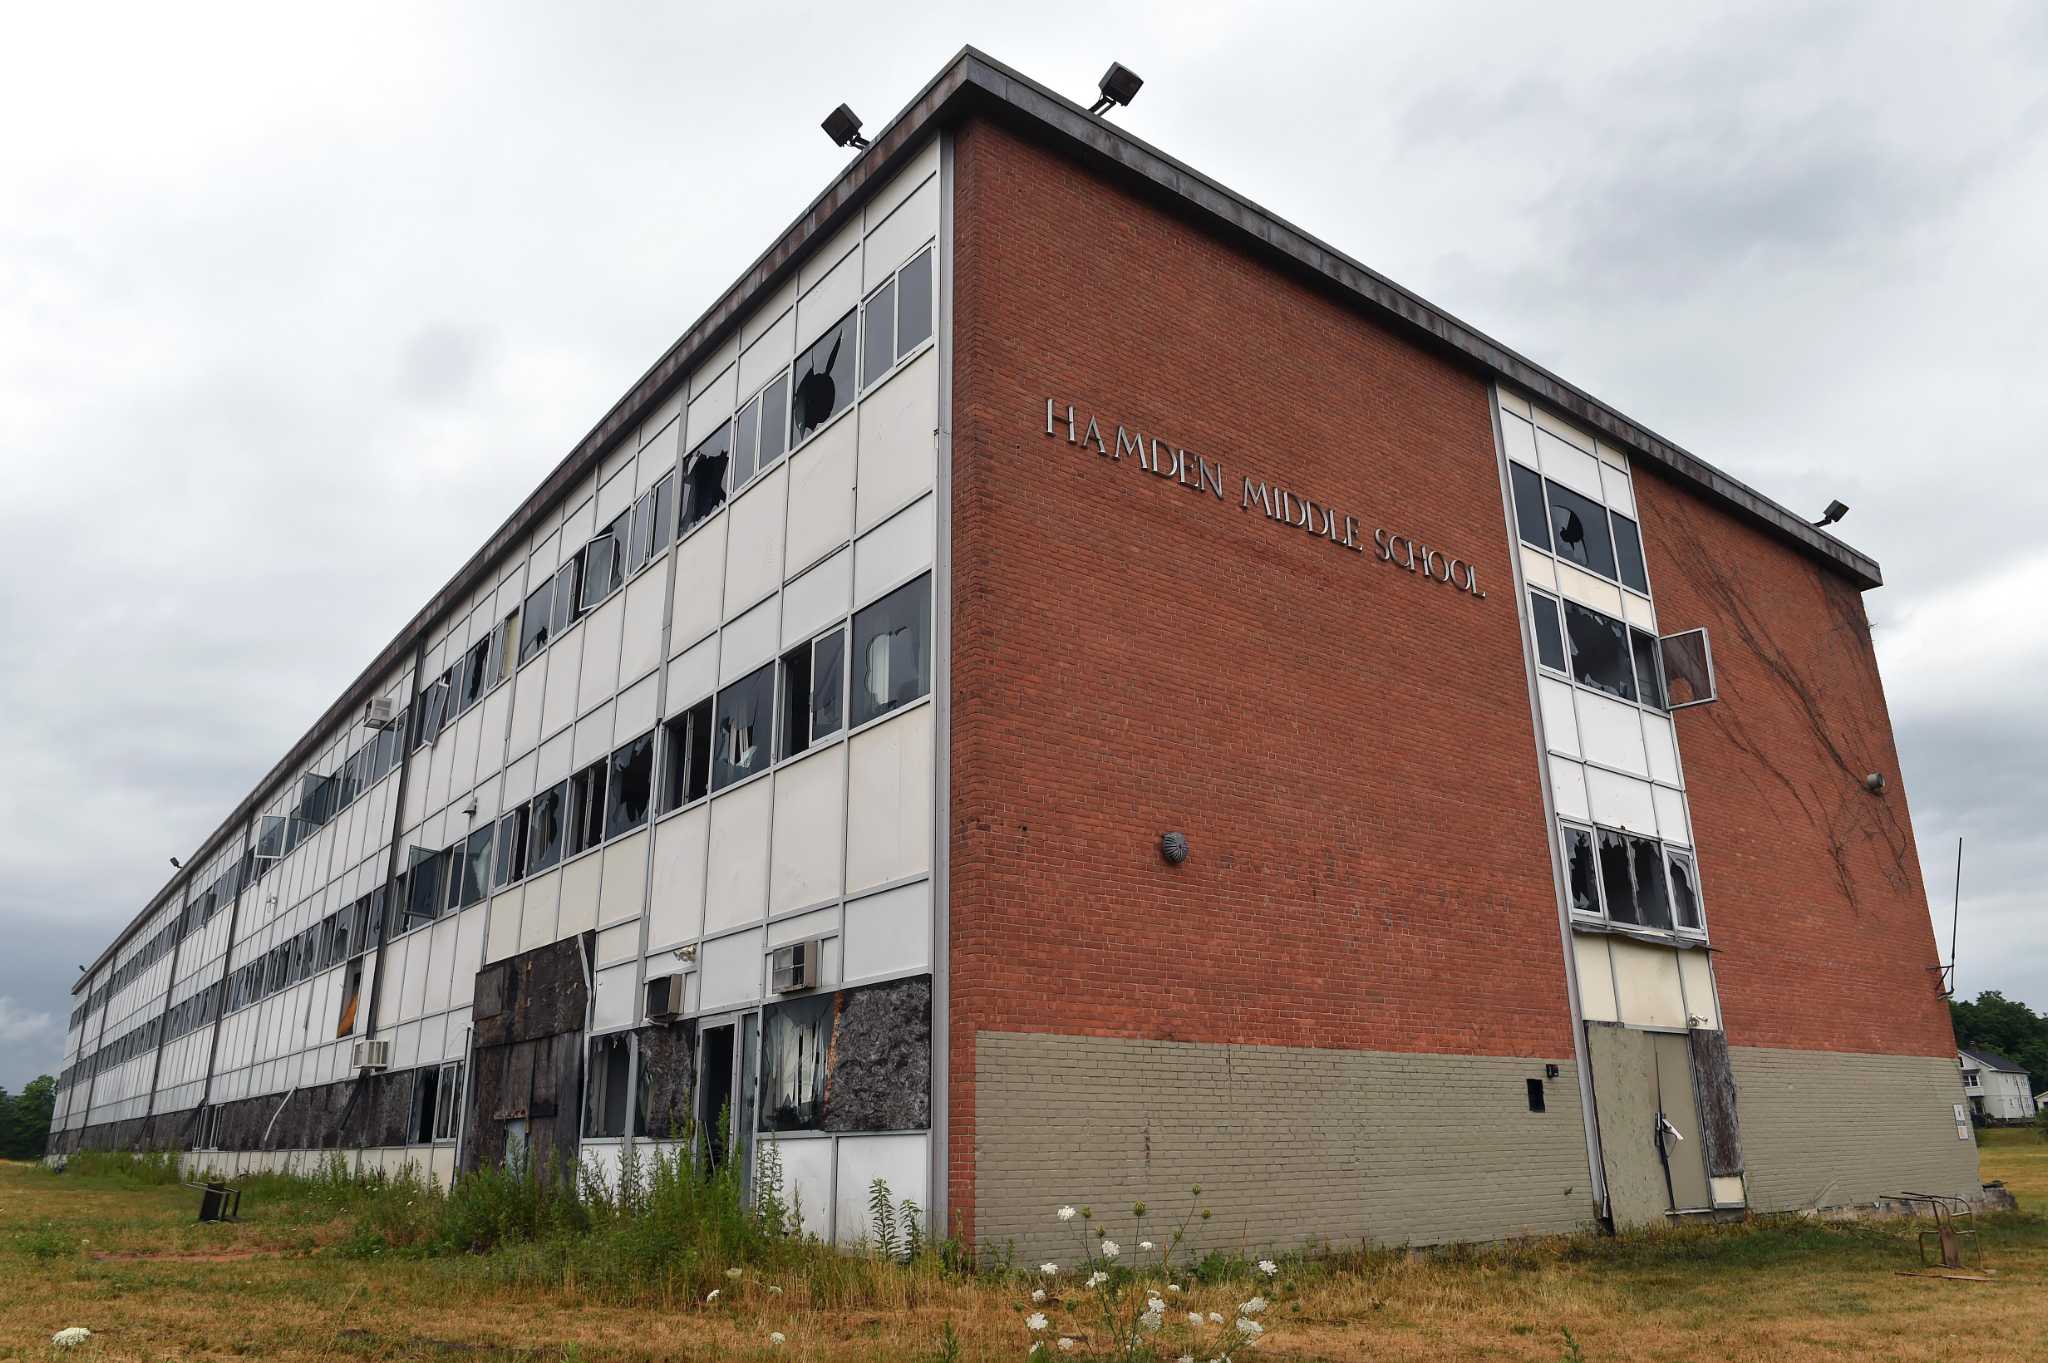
[1348, 747]
[1811, 884]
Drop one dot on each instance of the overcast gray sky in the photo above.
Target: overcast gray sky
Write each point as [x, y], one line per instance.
[297, 304]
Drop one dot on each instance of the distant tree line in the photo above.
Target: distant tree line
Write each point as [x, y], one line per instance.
[2007, 1026]
[25, 1119]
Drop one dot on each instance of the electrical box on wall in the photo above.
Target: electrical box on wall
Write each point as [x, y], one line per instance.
[665, 998]
[794, 968]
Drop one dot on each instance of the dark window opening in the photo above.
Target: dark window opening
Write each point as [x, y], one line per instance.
[351, 994]
[1535, 1095]
[1649, 683]
[774, 421]
[511, 847]
[878, 340]
[1614, 877]
[426, 1090]
[794, 1036]
[686, 756]
[423, 897]
[586, 807]
[476, 867]
[1580, 875]
[1653, 896]
[824, 379]
[475, 673]
[892, 651]
[704, 485]
[1581, 527]
[631, 788]
[607, 1088]
[568, 608]
[548, 826]
[1549, 638]
[746, 444]
[745, 711]
[1687, 668]
[448, 1102]
[1628, 553]
[914, 303]
[1600, 651]
[1532, 515]
[533, 620]
[1685, 894]
[714, 1093]
[604, 568]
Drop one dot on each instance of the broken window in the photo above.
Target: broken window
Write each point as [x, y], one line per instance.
[878, 334]
[745, 711]
[1532, 513]
[704, 484]
[891, 651]
[1649, 681]
[1549, 640]
[604, 568]
[686, 756]
[1581, 877]
[631, 789]
[511, 847]
[793, 1038]
[811, 686]
[546, 836]
[1632, 879]
[823, 376]
[1614, 877]
[1600, 651]
[1653, 895]
[664, 1082]
[1685, 894]
[476, 867]
[853, 1060]
[351, 994]
[1580, 526]
[448, 1101]
[426, 1091]
[607, 1086]
[1688, 669]
[586, 807]
[568, 605]
[1628, 553]
[534, 618]
[473, 674]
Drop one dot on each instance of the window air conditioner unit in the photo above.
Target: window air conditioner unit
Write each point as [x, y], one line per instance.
[370, 1054]
[665, 998]
[794, 968]
[380, 712]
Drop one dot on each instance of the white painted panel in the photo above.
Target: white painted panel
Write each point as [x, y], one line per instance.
[613, 1004]
[1620, 495]
[1596, 978]
[634, 715]
[1574, 468]
[753, 558]
[898, 456]
[828, 300]
[895, 551]
[413, 992]
[1540, 568]
[772, 310]
[1621, 801]
[405, 1045]
[565, 664]
[1612, 733]
[730, 970]
[1588, 590]
[1568, 788]
[749, 641]
[491, 745]
[1647, 991]
[1662, 746]
[1698, 977]
[827, 257]
[1728, 1190]
[700, 583]
[817, 598]
[675, 911]
[898, 236]
[810, 813]
[601, 630]
[1551, 422]
[440, 964]
[580, 881]
[625, 879]
[902, 1162]
[579, 525]
[1673, 825]
[640, 652]
[469, 942]
[615, 496]
[537, 916]
[888, 933]
[709, 372]
[768, 356]
[593, 735]
[890, 801]
[807, 1180]
[820, 497]
[620, 942]
[552, 762]
[1518, 437]
[717, 401]
[1639, 612]
[737, 890]
[693, 676]
[1560, 726]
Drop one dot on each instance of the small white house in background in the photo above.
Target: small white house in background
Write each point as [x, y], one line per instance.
[1998, 1088]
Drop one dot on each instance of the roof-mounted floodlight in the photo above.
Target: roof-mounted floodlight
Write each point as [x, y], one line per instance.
[1836, 510]
[1119, 85]
[842, 125]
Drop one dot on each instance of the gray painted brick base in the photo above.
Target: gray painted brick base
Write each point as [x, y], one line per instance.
[1821, 1129]
[1289, 1144]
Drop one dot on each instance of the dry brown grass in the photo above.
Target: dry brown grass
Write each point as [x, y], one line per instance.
[129, 1263]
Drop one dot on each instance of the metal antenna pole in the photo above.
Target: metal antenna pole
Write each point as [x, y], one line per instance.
[1955, 917]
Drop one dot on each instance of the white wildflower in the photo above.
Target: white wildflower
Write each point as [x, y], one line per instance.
[1035, 1322]
[774, 1289]
[1065, 1213]
[1268, 1267]
[74, 1335]
[1038, 1294]
[1247, 1326]
[1195, 1319]
[1097, 1278]
[1173, 1287]
[1252, 1307]
[733, 1274]
[775, 1337]
[1215, 1317]
[1185, 1358]
[713, 1295]
[1110, 1249]
[1145, 1244]
[1048, 1269]
[1066, 1345]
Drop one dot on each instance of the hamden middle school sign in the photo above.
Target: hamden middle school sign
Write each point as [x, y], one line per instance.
[1276, 504]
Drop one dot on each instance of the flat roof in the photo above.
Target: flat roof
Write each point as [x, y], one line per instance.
[975, 83]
